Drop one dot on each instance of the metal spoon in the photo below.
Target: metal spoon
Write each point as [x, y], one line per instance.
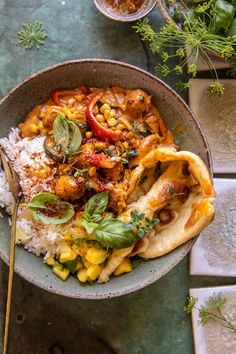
[15, 189]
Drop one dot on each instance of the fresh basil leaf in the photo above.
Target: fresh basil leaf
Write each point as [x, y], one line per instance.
[75, 138]
[61, 132]
[49, 209]
[67, 135]
[96, 205]
[115, 234]
[88, 225]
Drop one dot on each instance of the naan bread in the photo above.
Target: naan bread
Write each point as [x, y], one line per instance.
[183, 171]
[194, 214]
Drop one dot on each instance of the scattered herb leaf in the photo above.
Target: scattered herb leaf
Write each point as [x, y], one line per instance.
[49, 209]
[212, 310]
[32, 35]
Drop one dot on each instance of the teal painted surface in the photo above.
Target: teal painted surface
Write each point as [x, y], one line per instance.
[150, 321]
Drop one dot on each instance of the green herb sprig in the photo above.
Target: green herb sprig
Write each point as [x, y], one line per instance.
[196, 35]
[32, 35]
[141, 224]
[212, 310]
[116, 154]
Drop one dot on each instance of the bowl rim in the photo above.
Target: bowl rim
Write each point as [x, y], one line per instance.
[155, 276]
[130, 18]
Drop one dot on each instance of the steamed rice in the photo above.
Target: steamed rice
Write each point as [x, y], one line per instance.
[27, 156]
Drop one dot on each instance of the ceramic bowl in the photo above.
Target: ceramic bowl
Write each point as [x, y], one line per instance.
[96, 72]
[108, 12]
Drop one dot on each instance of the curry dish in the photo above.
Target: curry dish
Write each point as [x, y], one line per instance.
[114, 182]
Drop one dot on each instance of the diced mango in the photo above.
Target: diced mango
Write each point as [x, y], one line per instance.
[95, 255]
[82, 275]
[86, 263]
[93, 271]
[60, 271]
[66, 256]
[124, 267]
[79, 265]
[50, 261]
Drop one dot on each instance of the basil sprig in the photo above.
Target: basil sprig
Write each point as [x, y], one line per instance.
[67, 135]
[93, 211]
[115, 234]
[109, 232]
[49, 209]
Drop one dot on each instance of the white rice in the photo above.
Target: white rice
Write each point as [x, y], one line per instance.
[28, 155]
[6, 198]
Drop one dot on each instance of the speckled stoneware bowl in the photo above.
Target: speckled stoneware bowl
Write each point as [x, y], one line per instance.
[35, 90]
[109, 12]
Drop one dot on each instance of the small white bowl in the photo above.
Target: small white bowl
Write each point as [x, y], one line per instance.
[108, 12]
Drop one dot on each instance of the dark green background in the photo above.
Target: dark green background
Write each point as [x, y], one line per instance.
[149, 321]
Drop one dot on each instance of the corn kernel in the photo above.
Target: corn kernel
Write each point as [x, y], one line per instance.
[82, 275]
[100, 145]
[123, 107]
[104, 108]
[124, 267]
[125, 145]
[112, 113]
[92, 171]
[111, 122]
[88, 135]
[120, 126]
[107, 114]
[100, 118]
[96, 256]
[50, 261]
[93, 271]
[130, 135]
[126, 123]
[79, 98]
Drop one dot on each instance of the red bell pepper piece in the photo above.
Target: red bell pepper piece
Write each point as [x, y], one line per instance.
[99, 131]
[57, 94]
